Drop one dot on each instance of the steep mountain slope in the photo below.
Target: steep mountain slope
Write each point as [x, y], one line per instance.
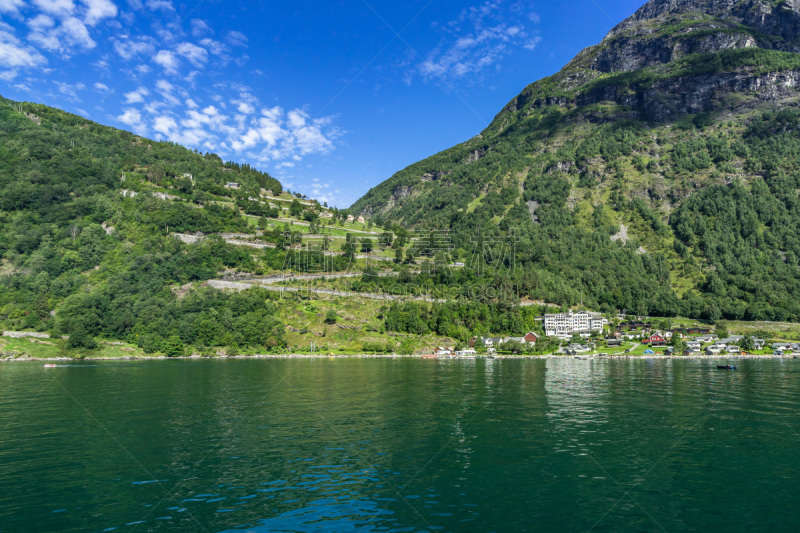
[658, 171]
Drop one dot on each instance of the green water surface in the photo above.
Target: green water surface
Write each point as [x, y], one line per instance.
[400, 445]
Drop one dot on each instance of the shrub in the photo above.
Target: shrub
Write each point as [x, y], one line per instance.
[80, 339]
[331, 317]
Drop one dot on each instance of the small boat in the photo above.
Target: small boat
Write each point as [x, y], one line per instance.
[727, 367]
[430, 357]
[50, 365]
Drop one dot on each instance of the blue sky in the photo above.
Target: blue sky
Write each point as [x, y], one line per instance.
[329, 97]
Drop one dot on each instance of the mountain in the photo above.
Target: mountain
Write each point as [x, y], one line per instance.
[86, 216]
[658, 171]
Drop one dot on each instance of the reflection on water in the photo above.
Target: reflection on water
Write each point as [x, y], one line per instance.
[400, 445]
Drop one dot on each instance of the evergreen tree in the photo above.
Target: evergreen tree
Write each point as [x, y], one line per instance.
[173, 347]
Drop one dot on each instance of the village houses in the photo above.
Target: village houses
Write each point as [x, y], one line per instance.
[493, 343]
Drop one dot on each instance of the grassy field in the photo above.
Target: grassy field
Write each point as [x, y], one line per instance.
[357, 324]
[55, 348]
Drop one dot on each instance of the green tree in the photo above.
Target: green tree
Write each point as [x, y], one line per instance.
[514, 347]
[748, 344]
[331, 317]
[173, 347]
[407, 347]
[714, 313]
[678, 344]
[349, 246]
[385, 239]
[80, 339]
[296, 208]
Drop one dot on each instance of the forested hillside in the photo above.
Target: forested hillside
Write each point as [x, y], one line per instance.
[84, 254]
[658, 172]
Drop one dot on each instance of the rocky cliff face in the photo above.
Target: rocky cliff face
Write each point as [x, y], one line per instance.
[665, 30]
[669, 40]
[779, 19]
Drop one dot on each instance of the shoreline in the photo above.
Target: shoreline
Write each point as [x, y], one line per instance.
[418, 357]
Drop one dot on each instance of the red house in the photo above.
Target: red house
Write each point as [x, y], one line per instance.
[655, 340]
[531, 338]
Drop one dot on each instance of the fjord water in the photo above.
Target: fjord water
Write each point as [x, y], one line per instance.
[400, 445]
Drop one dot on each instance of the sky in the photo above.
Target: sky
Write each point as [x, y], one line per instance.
[330, 97]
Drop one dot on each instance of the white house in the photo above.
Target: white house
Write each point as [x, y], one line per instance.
[492, 342]
[707, 338]
[733, 339]
[567, 324]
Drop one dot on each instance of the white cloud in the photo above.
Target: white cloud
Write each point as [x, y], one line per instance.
[128, 48]
[133, 119]
[99, 10]
[201, 28]
[70, 91]
[102, 87]
[217, 48]
[164, 86]
[11, 6]
[478, 40]
[237, 39]
[137, 96]
[532, 43]
[14, 54]
[197, 56]
[168, 60]
[165, 125]
[60, 8]
[64, 38]
[241, 127]
[163, 5]
[166, 89]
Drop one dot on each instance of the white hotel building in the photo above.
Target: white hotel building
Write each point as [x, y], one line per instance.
[566, 325]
